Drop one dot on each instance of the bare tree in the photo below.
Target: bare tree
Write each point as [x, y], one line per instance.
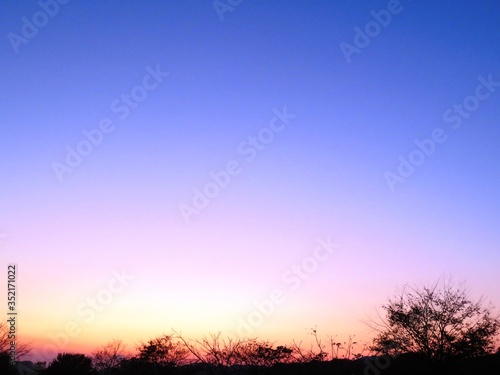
[312, 354]
[22, 348]
[109, 356]
[440, 321]
[222, 356]
[214, 350]
[349, 348]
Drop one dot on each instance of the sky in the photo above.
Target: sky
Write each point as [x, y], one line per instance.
[258, 169]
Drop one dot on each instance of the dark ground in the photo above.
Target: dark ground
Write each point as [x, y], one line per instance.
[407, 364]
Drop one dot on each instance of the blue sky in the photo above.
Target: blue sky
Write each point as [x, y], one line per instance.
[323, 175]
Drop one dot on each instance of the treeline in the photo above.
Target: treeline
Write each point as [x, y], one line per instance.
[213, 355]
[436, 329]
[167, 353]
[407, 364]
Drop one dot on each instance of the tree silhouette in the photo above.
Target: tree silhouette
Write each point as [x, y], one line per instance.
[21, 347]
[108, 357]
[214, 350]
[163, 351]
[217, 352]
[440, 321]
[262, 353]
[74, 364]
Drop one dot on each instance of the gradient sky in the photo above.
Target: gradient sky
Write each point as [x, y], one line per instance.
[323, 175]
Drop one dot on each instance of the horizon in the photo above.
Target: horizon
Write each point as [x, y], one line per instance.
[243, 167]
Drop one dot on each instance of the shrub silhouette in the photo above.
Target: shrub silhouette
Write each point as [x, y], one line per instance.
[263, 353]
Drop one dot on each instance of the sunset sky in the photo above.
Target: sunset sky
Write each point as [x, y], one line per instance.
[174, 164]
